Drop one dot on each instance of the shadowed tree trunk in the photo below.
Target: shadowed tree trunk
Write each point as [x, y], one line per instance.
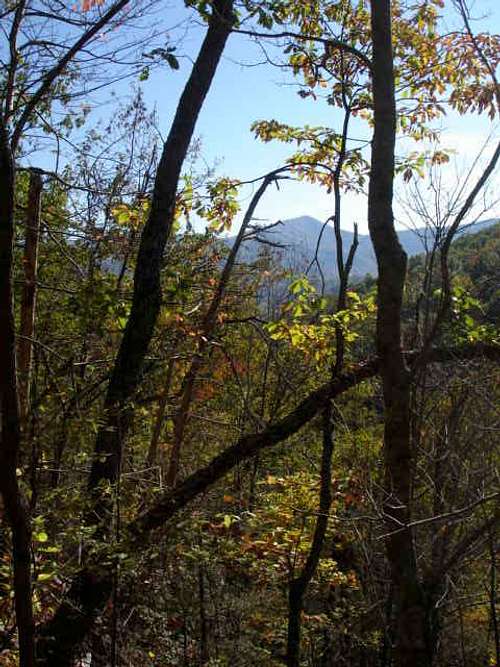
[11, 134]
[410, 634]
[152, 456]
[28, 299]
[299, 585]
[147, 289]
[16, 508]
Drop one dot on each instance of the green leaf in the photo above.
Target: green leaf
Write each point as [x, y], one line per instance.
[41, 536]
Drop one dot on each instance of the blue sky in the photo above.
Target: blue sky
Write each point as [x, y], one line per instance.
[242, 94]
[244, 91]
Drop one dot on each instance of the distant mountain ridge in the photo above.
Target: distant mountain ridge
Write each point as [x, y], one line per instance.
[299, 238]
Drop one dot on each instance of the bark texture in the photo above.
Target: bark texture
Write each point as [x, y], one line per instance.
[28, 298]
[16, 508]
[410, 635]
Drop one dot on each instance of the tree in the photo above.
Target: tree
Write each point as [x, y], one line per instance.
[74, 618]
[365, 65]
[22, 97]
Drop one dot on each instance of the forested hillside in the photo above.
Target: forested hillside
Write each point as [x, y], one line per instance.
[295, 246]
[208, 455]
[478, 259]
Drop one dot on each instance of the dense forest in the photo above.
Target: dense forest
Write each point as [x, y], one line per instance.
[210, 456]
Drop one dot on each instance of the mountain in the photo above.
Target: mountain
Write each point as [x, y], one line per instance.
[299, 237]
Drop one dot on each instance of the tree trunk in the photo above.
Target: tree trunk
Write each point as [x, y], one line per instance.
[90, 590]
[147, 288]
[151, 459]
[206, 332]
[16, 508]
[410, 643]
[299, 585]
[204, 648]
[28, 299]
[494, 594]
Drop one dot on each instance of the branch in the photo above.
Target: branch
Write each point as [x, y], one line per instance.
[329, 43]
[467, 542]
[481, 182]
[249, 445]
[14, 58]
[446, 516]
[246, 447]
[464, 12]
[207, 330]
[59, 67]
[91, 586]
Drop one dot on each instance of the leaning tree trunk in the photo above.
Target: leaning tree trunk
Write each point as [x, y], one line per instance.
[90, 589]
[147, 289]
[207, 329]
[410, 635]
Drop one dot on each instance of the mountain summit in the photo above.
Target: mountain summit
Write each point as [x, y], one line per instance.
[299, 239]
